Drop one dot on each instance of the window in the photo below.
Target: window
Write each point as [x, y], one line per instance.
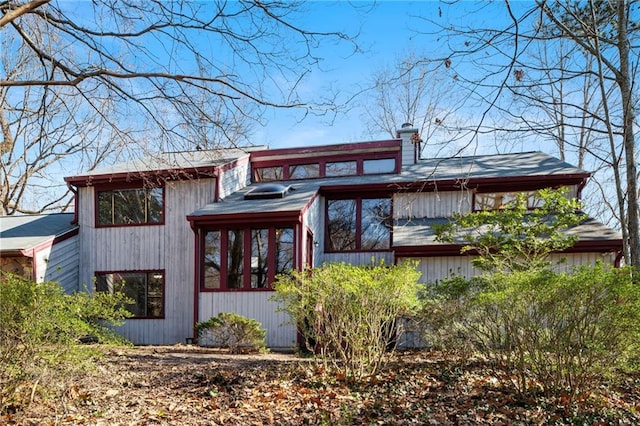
[246, 258]
[304, 171]
[136, 206]
[259, 258]
[284, 253]
[212, 260]
[341, 168]
[235, 258]
[341, 225]
[358, 224]
[499, 200]
[385, 165]
[146, 289]
[266, 174]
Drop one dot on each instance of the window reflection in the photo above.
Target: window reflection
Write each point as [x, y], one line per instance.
[385, 165]
[304, 171]
[259, 258]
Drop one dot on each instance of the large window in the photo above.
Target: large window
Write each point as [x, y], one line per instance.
[359, 224]
[146, 289]
[500, 200]
[246, 258]
[135, 206]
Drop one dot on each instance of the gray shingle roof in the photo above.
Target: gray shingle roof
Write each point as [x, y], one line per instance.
[499, 166]
[419, 232]
[28, 231]
[176, 161]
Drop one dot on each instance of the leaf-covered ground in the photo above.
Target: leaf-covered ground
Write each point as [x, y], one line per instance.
[184, 385]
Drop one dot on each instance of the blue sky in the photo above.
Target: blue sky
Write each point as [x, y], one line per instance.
[387, 30]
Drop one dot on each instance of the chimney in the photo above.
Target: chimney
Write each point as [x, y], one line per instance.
[410, 144]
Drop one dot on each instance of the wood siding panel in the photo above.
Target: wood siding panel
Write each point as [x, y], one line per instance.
[360, 258]
[431, 204]
[255, 305]
[436, 268]
[168, 247]
[63, 264]
[235, 179]
[313, 219]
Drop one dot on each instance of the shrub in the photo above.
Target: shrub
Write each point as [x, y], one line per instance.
[559, 333]
[349, 315]
[235, 332]
[41, 327]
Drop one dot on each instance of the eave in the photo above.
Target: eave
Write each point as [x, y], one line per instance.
[589, 246]
[154, 176]
[259, 218]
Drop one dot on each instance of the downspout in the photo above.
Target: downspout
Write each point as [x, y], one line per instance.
[75, 203]
[217, 175]
[581, 187]
[196, 281]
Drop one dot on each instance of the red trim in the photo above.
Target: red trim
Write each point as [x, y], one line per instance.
[69, 234]
[143, 271]
[609, 246]
[358, 236]
[197, 278]
[153, 176]
[245, 219]
[246, 258]
[354, 147]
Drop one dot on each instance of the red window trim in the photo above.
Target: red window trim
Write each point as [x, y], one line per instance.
[125, 186]
[143, 271]
[246, 272]
[359, 158]
[358, 223]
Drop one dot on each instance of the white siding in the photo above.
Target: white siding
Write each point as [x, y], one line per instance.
[436, 268]
[431, 204]
[255, 305]
[312, 219]
[360, 258]
[169, 247]
[234, 179]
[62, 264]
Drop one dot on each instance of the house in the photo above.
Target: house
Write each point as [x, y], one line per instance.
[41, 248]
[189, 235]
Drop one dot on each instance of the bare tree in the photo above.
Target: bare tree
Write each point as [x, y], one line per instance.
[598, 59]
[412, 91]
[133, 77]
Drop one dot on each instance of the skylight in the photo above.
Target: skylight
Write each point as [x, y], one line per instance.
[267, 191]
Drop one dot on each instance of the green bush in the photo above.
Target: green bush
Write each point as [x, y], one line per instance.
[559, 333]
[41, 327]
[235, 332]
[349, 315]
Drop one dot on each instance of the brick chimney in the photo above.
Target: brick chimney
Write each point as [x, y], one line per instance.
[410, 144]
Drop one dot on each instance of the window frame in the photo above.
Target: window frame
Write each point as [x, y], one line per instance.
[286, 166]
[532, 203]
[247, 250]
[358, 223]
[127, 187]
[146, 272]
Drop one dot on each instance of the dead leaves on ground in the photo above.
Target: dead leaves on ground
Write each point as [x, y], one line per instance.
[195, 386]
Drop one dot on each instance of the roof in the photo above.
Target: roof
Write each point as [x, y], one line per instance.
[26, 232]
[170, 161]
[419, 232]
[531, 166]
[524, 164]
